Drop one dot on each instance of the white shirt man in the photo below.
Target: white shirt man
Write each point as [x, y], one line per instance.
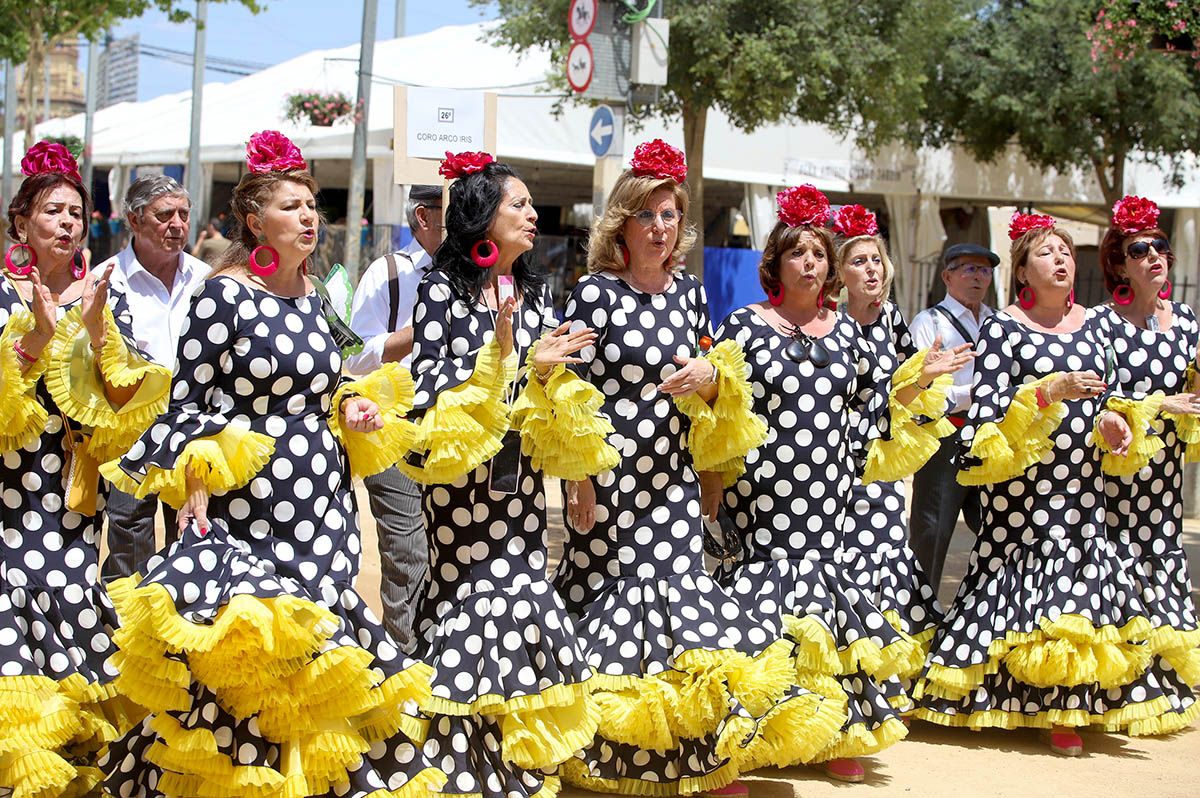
[930, 323]
[370, 315]
[158, 311]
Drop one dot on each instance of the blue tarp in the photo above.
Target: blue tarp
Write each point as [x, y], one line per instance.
[730, 280]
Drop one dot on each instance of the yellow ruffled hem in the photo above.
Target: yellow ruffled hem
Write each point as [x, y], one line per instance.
[1180, 647]
[723, 433]
[466, 426]
[74, 380]
[914, 651]
[45, 774]
[858, 740]
[1066, 652]
[817, 652]
[1010, 447]
[1140, 415]
[222, 462]
[562, 431]
[574, 772]
[22, 417]
[793, 731]
[548, 736]
[370, 453]
[1114, 720]
[1165, 723]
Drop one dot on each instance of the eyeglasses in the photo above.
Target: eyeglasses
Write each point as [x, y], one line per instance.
[805, 348]
[646, 218]
[974, 268]
[1140, 249]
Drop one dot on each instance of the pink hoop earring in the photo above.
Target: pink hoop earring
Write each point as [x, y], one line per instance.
[78, 269]
[821, 298]
[485, 261]
[270, 267]
[776, 297]
[624, 254]
[1026, 298]
[1165, 291]
[20, 271]
[1071, 299]
[1123, 294]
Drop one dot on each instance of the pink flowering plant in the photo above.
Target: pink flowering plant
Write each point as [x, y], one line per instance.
[1124, 27]
[321, 109]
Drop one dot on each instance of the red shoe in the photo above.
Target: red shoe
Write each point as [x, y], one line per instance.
[1064, 743]
[845, 770]
[735, 789]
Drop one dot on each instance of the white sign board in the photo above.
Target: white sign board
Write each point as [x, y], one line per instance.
[580, 65]
[441, 120]
[581, 18]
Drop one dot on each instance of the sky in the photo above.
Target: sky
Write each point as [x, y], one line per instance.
[283, 30]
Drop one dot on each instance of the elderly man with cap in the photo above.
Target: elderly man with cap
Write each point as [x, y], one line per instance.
[382, 317]
[158, 279]
[937, 498]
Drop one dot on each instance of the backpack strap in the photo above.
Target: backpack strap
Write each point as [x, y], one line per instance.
[955, 323]
[393, 292]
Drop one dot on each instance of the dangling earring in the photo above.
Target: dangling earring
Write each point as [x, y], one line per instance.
[1165, 291]
[1123, 294]
[1026, 298]
[1071, 299]
[821, 298]
[624, 254]
[20, 271]
[78, 270]
[264, 270]
[485, 261]
[775, 297]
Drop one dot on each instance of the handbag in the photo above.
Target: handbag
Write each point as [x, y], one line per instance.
[345, 338]
[81, 470]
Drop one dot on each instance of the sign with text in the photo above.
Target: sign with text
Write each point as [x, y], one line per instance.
[430, 122]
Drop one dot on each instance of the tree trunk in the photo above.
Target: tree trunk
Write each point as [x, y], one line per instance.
[694, 122]
[1110, 174]
[34, 67]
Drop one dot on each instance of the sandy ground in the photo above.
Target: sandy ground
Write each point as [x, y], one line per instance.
[934, 761]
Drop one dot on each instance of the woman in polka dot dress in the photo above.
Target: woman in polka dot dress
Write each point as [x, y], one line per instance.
[510, 698]
[263, 670]
[64, 366]
[881, 563]
[683, 668]
[1154, 349]
[819, 385]
[1046, 627]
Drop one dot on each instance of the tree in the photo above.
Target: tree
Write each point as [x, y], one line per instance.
[1023, 72]
[856, 67]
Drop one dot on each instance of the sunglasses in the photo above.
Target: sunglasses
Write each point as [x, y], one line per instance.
[805, 348]
[1140, 249]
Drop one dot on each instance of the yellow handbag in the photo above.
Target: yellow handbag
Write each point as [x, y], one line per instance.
[81, 470]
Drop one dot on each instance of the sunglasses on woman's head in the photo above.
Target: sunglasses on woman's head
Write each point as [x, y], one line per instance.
[805, 348]
[1140, 249]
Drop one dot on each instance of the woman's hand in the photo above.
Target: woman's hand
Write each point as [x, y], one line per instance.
[196, 506]
[581, 505]
[95, 297]
[45, 317]
[1182, 404]
[695, 373]
[939, 362]
[1116, 432]
[504, 330]
[1074, 385]
[560, 346]
[712, 493]
[361, 414]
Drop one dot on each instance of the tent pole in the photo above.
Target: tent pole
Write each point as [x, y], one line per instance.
[194, 179]
[358, 158]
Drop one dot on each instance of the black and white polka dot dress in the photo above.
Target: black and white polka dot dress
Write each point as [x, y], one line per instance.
[1045, 627]
[881, 563]
[1145, 511]
[258, 660]
[661, 633]
[789, 511]
[58, 706]
[510, 686]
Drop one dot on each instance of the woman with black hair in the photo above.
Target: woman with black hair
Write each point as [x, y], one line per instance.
[511, 697]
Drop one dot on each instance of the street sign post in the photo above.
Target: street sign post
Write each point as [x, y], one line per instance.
[604, 134]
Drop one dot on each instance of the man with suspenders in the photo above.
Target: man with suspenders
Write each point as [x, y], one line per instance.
[382, 317]
[937, 498]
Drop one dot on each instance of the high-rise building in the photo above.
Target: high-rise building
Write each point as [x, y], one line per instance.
[118, 72]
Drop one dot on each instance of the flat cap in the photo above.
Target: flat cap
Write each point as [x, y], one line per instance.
[420, 193]
[963, 250]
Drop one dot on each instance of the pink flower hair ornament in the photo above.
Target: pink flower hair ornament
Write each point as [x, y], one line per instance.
[271, 151]
[1134, 214]
[660, 160]
[456, 165]
[803, 205]
[50, 157]
[853, 221]
[1022, 223]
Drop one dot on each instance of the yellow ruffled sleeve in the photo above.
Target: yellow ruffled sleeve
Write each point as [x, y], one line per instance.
[73, 378]
[1187, 426]
[724, 432]
[1009, 447]
[466, 426]
[1140, 414]
[223, 462]
[22, 417]
[562, 431]
[914, 430]
[390, 387]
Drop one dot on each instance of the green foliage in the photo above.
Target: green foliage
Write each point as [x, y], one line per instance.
[73, 143]
[318, 108]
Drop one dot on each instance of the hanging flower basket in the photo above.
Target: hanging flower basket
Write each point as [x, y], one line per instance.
[1123, 27]
[320, 109]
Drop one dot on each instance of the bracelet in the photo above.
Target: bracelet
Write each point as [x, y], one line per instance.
[21, 353]
[97, 349]
[542, 376]
[1042, 401]
[921, 387]
[716, 375]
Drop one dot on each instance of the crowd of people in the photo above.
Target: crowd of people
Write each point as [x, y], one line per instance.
[741, 585]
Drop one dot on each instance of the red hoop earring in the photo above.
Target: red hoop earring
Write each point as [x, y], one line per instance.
[1165, 291]
[624, 254]
[1071, 299]
[78, 269]
[271, 265]
[821, 298]
[776, 297]
[1026, 298]
[485, 261]
[1123, 294]
[20, 271]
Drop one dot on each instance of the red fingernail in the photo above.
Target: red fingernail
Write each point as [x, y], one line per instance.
[203, 531]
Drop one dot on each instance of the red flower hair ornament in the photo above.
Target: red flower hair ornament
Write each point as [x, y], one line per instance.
[853, 221]
[461, 164]
[1022, 223]
[803, 205]
[1134, 214]
[50, 157]
[659, 159]
[271, 151]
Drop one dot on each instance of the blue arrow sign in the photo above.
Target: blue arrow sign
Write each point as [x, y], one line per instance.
[601, 131]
